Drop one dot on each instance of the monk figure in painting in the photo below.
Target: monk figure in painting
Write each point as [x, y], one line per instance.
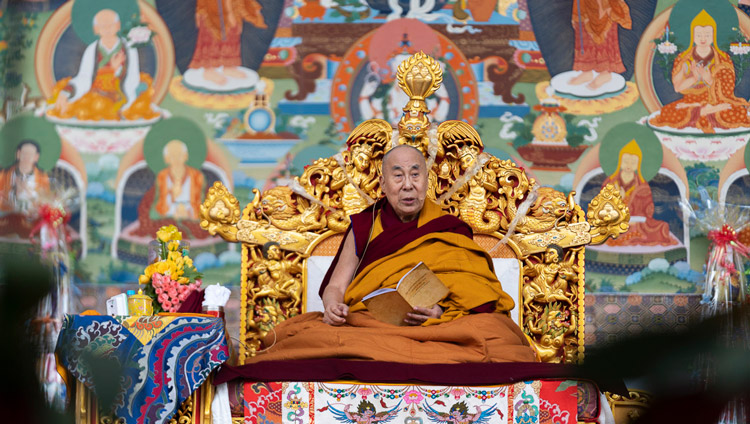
[109, 84]
[22, 182]
[644, 230]
[597, 44]
[471, 324]
[704, 75]
[178, 186]
[217, 50]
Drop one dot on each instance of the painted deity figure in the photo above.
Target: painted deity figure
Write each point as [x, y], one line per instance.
[597, 44]
[217, 49]
[636, 193]
[22, 182]
[109, 83]
[704, 75]
[179, 187]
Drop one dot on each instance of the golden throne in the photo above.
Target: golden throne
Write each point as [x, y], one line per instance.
[512, 217]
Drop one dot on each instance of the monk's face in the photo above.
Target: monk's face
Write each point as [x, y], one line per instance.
[175, 153]
[27, 157]
[629, 164]
[703, 35]
[404, 181]
[106, 23]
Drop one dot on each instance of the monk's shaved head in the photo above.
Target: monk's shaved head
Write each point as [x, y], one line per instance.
[401, 149]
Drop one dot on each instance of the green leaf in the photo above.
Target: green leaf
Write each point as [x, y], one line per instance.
[191, 274]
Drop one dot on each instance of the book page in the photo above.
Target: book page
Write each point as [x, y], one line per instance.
[378, 292]
[421, 287]
[388, 307]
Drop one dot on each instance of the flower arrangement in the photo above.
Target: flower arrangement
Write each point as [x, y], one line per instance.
[172, 277]
[139, 36]
[666, 52]
[739, 47]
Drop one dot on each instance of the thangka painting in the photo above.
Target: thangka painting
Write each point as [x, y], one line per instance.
[133, 108]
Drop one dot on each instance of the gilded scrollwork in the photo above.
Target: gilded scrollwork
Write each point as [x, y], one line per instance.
[278, 276]
[272, 286]
[550, 302]
[550, 210]
[553, 332]
[608, 215]
[220, 212]
[549, 281]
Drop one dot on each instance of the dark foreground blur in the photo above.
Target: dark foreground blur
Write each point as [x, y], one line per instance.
[24, 281]
[692, 375]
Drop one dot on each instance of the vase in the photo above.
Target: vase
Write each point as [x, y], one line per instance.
[156, 254]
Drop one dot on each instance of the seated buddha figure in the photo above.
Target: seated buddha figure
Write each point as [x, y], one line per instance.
[109, 84]
[704, 75]
[644, 230]
[179, 187]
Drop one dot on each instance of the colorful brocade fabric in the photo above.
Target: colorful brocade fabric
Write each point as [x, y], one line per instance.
[537, 402]
[158, 360]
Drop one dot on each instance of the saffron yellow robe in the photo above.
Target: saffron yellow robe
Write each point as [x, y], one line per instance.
[462, 265]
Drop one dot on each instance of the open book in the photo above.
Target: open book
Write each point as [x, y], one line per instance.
[418, 287]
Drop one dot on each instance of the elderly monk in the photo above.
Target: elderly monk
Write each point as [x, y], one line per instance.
[471, 324]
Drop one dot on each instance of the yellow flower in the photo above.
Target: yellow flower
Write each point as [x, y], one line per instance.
[168, 233]
[183, 280]
[174, 245]
[174, 256]
[143, 279]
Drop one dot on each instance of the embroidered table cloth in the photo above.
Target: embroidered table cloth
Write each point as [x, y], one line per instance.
[156, 361]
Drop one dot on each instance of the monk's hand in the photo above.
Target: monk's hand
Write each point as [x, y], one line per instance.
[420, 315]
[335, 314]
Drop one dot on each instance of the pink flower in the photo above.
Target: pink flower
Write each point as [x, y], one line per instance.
[162, 298]
[457, 393]
[413, 396]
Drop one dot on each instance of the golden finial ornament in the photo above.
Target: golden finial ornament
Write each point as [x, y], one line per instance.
[419, 76]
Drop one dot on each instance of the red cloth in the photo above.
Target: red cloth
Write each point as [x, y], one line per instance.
[212, 52]
[193, 303]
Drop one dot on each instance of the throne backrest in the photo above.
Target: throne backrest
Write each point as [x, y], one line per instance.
[512, 217]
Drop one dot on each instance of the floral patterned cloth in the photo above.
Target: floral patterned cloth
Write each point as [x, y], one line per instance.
[158, 360]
